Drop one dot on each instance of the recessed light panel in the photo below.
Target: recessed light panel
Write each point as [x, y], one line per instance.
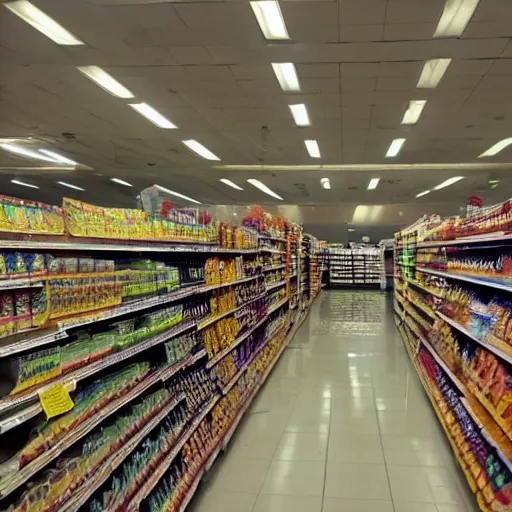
[153, 115]
[286, 75]
[69, 185]
[300, 114]
[313, 149]
[499, 146]
[23, 184]
[413, 113]
[29, 153]
[229, 183]
[373, 183]
[449, 182]
[326, 184]
[455, 18]
[432, 73]
[106, 81]
[270, 19]
[40, 21]
[177, 194]
[198, 148]
[57, 157]
[421, 194]
[395, 148]
[264, 188]
[121, 182]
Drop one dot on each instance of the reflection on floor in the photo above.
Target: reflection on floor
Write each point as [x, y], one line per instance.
[342, 425]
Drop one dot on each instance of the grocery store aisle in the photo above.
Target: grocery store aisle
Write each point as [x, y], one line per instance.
[342, 425]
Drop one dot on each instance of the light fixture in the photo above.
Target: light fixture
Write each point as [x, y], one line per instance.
[351, 229]
[449, 182]
[106, 81]
[395, 148]
[373, 183]
[153, 115]
[40, 21]
[286, 75]
[326, 184]
[455, 18]
[198, 148]
[177, 194]
[121, 182]
[23, 184]
[270, 19]
[313, 149]
[432, 73]
[499, 146]
[58, 158]
[421, 194]
[264, 188]
[413, 113]
[18, 150]
[229, 183]
[300, 114]
[69, 185]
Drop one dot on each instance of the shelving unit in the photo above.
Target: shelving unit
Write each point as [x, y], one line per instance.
[180, 360]
[452, 306]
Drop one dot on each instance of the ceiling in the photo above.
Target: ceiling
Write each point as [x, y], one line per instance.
[207, 67]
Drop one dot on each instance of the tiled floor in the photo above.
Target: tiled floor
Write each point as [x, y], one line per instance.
[342, 425]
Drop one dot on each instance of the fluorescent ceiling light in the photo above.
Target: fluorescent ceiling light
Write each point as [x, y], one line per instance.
[499, 146]
[286, 75]
[18, 150]
[121, 182]
[432, 73]
[449, 182]
[423, 193]
[270, 19]
[455, 18]
[373, 183]
[23, 184]
[58, 158]
[106, 81]
[413, 113]
[198, 148]
[42, 22]
[69, 185]
[153, 115]
[264, 188]
[351, 229]
[313, 149]
[300, 114]
[326, 184]
[229, 183]
[395, 148]
[177, 194]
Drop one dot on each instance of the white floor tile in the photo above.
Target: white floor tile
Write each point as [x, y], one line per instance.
[355, 448]
[294, 478]
[278, 503]
[302, 446]
[212, 502]
[339, 505]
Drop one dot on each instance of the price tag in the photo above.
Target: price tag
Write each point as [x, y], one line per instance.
[55, 401]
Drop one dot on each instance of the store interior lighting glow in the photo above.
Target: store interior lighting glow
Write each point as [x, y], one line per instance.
[177, 194]
[198, 148]
[106, 81]
[432, 73]
[373, 183]
[413, 113]
[351, 229]
[300, 114]
[313, 149]
[121, 182]
[153, 115]
[499, 146]
[455, 18]
[264, 188]
[270, 19]
[69, 185]
[18, 150]
[449, 182]
[57, 157]
[421, 194]
[286, 75]
[395, 148]
[229, 183]
[23, 184]
[43, 23]
[326, 184]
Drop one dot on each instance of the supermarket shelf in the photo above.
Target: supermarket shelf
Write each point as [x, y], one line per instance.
[157, 474]
[270, 269]
[15, 347]
[15, 283]
[100, 476]
[270, 250]
[496, 237]
[462, 277]
[20, 417]
[487, 346]
[274, 238]
[100, 244]
[421, 287]
[90, 369]
[9, 484]
[276, 285]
